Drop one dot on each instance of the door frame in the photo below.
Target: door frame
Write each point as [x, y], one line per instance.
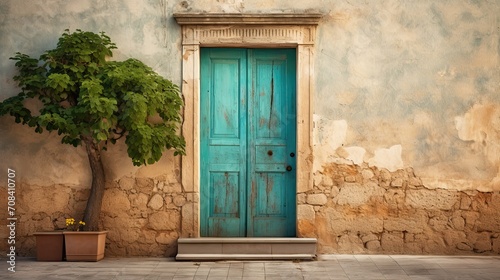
[245, 31]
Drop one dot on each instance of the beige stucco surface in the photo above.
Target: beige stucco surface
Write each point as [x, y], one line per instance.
[143, 31]
[398, 86]
[410, 82]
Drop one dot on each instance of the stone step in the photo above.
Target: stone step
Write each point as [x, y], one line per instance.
[263, 248]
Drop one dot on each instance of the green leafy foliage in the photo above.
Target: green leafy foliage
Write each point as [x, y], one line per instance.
[85, 96]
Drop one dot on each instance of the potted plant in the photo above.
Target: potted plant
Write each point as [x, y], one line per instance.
[49, 246]
[83, 245]
[92, 102]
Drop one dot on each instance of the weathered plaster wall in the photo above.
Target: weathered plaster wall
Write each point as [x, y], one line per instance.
[405, 90]
[143, 30]
[412, 84]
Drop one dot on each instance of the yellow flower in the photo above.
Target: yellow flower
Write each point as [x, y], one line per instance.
[72, 225]
[70, 221]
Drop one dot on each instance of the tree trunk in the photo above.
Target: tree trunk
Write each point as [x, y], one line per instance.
[94, 203]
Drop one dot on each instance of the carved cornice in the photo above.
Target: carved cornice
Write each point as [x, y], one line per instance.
[248, 29]
[247, 19]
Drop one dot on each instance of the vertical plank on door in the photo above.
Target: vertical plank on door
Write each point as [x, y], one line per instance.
[223, 142]
[271, 138]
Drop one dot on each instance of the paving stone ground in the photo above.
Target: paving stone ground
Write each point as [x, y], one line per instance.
[326, 267]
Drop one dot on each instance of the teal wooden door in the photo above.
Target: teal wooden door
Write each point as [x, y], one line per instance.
[247, 142]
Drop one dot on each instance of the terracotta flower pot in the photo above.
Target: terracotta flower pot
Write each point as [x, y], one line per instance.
[85, 245]
[49, 246]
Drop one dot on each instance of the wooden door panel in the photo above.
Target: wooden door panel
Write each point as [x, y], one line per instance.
[225, 201]
[268, 98]
[224, 99]
[270, 215]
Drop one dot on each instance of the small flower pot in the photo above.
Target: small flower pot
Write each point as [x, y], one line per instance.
[49, 246]
[85, 245]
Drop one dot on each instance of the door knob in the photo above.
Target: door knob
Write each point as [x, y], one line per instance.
[289, 168]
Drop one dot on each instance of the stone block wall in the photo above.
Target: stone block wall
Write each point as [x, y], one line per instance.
[41, 208]
[351, 209]
[142, 215]
[362, 209]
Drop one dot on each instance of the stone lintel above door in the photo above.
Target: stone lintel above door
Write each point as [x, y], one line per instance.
[249, 30]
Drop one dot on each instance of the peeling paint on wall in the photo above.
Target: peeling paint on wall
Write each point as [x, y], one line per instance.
[389, 159]
[330, 145]
[480, 128]
[329, 135]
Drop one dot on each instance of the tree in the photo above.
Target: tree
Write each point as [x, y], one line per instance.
[94, 102]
